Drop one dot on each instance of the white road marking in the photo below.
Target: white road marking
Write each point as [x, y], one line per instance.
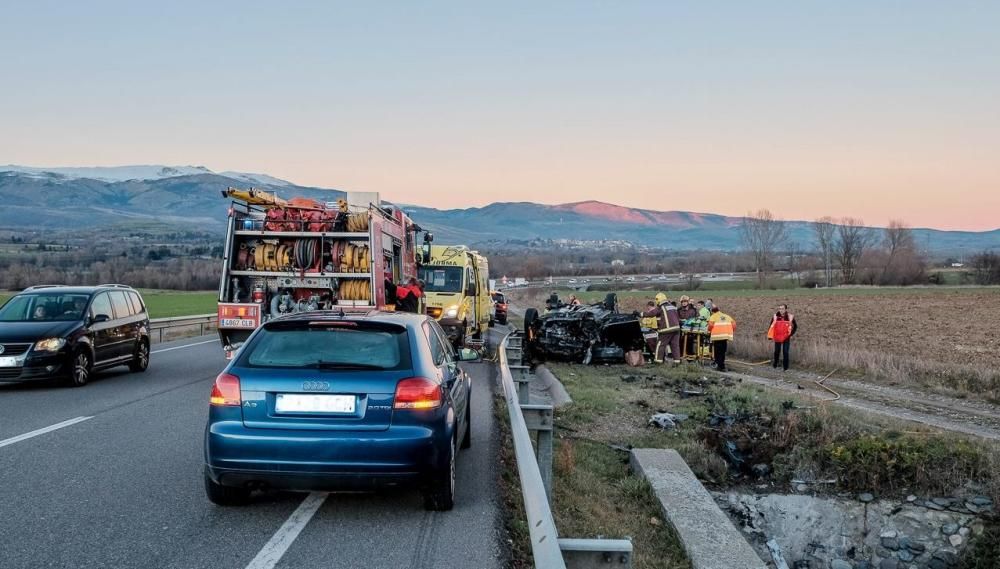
[273, 550]
[42, 431]
[184, 346]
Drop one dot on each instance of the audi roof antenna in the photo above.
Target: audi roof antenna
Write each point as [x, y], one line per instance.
[341, 314]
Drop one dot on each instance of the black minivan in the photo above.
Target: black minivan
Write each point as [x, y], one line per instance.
[70, 332]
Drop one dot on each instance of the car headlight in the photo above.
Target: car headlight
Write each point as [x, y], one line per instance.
[452, 311]
[50, 345]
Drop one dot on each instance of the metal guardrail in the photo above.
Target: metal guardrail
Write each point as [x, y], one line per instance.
[158, 325]
[534, 466]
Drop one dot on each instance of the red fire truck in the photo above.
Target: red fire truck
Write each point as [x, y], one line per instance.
[286, 256]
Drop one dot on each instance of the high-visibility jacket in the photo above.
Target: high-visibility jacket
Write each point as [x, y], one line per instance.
[782, 328]
[666, 317]
[722, 326]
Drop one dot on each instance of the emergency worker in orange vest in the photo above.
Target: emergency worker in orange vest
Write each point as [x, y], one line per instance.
[722, 327]
[668, 328]
[783, 327]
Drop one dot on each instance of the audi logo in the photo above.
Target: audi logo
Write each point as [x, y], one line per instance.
[2, 348]
[316, 386]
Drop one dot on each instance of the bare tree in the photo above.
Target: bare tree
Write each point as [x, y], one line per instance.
[795, 262]
[853, 238]
[761, 234]
[986, 268]
[825, 229]
[898, 241]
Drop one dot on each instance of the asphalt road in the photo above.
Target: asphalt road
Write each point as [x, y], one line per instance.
[110, 475]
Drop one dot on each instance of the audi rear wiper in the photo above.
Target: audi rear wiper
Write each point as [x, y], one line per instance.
[346, 365]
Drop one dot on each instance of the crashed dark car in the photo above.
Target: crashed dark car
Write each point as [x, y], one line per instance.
[582, 333]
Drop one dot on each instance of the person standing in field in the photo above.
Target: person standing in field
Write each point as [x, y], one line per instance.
[722, 327]
[783, 327]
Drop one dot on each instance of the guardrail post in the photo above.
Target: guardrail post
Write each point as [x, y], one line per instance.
[522, 377]
[596, 553]
[538, 419]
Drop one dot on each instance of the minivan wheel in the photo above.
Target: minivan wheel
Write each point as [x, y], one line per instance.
[225, 495]
[79, 374]
[440, 493]
[140, 360]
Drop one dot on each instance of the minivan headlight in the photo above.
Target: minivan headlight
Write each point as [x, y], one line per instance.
[50, 345]
[452, 311]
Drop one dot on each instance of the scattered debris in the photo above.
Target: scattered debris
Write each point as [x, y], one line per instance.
[667, 420]
[779, 559]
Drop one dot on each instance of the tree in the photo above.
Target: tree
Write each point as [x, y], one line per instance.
[762, 233]
[903, 264]
[852, 239]
[826, 229]
[986, 268]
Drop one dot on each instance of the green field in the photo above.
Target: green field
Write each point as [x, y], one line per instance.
[168, 303]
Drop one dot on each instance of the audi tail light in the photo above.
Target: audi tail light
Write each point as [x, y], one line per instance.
[226, 391]
[417, 393]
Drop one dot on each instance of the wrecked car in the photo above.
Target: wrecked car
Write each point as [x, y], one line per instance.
[582, 333]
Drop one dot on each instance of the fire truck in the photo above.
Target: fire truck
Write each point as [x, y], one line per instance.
[287, 256]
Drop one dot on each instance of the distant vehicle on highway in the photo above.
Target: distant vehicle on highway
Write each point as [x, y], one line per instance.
[630, 279]
[69, 333]
[499, 307]
[320, 401]
[572, 281]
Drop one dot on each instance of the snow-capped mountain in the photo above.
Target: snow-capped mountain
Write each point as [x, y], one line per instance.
[137, 172]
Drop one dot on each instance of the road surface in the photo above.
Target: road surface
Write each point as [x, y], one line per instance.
[110, 475]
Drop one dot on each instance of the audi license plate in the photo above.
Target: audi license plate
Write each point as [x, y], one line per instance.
[8, 361]
[296, 403]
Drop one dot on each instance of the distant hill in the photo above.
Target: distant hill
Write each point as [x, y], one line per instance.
[73, 198]
[595, 221]
[70, 198]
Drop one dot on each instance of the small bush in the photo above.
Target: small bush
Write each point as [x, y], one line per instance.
[887, 463]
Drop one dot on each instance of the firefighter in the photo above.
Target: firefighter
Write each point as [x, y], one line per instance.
[408, 296]
[685, 312]
[667, 327]
[783, 327]
[722, 327]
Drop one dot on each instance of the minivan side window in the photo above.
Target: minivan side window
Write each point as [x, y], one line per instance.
[123, 308]
[101, 305]
[137, 307]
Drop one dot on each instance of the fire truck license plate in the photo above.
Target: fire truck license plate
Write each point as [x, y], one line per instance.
[238, 323]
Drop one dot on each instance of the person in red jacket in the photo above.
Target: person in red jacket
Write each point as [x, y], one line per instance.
[783, 327]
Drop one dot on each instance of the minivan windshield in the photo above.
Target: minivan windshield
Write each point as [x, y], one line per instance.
[441, 279]
[44, 307]
[329, 347]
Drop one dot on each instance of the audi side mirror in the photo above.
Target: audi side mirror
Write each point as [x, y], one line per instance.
[100, 318]
[469, 355]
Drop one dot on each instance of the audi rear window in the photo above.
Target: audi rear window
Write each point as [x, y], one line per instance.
[330, 346]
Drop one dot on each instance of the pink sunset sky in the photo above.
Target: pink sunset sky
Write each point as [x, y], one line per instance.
[808, 109]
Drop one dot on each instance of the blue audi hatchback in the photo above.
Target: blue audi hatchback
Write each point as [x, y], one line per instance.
[326, 401]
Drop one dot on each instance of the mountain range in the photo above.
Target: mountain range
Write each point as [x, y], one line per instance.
[74, 198]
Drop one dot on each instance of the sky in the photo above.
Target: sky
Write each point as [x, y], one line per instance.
[878, 110]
